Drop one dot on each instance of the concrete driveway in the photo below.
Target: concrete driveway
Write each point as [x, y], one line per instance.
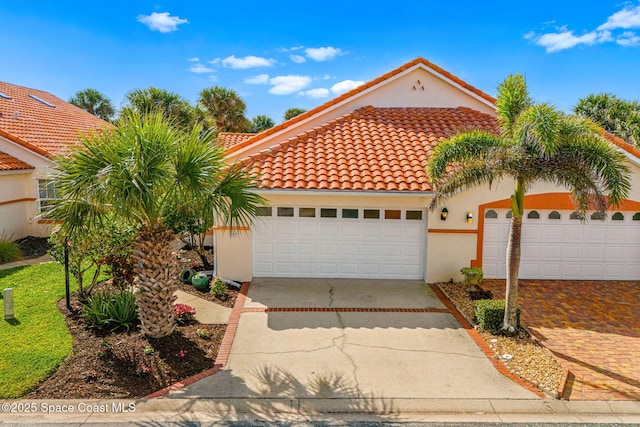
[352, 339]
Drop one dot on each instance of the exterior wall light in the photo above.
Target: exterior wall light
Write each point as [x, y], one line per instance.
[469, 217]
[444, 213]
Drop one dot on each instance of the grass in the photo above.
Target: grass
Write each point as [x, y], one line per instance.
[38, 341]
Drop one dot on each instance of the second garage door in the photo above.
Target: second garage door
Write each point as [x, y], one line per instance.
[557, 245]
[339, 242]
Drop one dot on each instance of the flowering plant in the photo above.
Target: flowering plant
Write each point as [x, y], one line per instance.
[184, 313]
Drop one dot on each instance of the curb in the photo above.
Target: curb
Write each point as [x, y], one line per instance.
[223, 350]
[481, 343]
[563, 384]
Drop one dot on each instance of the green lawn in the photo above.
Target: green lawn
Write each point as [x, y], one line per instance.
[38, 341]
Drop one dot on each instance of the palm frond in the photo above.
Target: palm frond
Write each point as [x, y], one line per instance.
[512, 100]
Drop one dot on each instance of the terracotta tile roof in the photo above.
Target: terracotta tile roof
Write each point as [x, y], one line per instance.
[616, 140]
[384, 149]
[10, 163]
[229, 139]
[39, 127]
[355, 91]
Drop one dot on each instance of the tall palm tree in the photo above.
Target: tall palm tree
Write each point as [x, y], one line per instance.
[94, 102]
[261, 122]
[292, 112]
[620, 117]
[141, 169]
[536, 143]
[226, 108]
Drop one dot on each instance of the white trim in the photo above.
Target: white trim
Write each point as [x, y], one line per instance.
[371, 193]
[629, 156]
[22, 147]
[18, 172]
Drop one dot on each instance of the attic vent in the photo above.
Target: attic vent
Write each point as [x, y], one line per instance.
[2, 95]
[42, 100]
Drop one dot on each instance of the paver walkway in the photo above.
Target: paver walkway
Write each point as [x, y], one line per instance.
[591, 327]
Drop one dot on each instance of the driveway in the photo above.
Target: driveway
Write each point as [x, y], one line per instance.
[591, 327]
[352, 339]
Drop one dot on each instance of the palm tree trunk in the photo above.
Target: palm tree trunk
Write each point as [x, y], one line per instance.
[156, 275]
[513, 266]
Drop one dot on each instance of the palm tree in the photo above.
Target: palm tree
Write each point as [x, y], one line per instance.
[536, 143]
[173, 107]
[226, 108]
[292, 112]
[138, 171]
[261, 122]
[620, 117]
[94, 102]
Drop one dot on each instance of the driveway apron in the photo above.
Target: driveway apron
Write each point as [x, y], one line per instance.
[351, 339]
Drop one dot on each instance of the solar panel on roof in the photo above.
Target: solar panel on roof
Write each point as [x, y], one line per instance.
[41, 100]
[2, 95]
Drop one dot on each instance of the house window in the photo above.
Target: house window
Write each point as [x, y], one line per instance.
[307, 212]
[350, 213]
[574, 215]
[46, 196]
[533, 215]
[285, 211]
[328, 213]
[598, 216]
[491, 214]
[554, 215]
[618, 216]
[413, 215]
[392, 214]
[636, 216]
[510, 214]
[264, 211]
[371, 214]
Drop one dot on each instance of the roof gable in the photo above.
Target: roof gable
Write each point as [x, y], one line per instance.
[379, 149]
[418, 83]
[42, 122]
[10, 163]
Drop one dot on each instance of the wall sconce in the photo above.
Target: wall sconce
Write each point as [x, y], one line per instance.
[443, 214]
[469, 217]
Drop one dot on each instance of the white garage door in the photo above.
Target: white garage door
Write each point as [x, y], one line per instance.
[339, 243]
[557, 245]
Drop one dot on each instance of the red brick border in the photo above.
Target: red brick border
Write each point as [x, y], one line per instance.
[482, 344]
[223, 351]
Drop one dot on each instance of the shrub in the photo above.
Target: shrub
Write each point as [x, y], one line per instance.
[218, 287]
[184, 313]
[480, 294]
[107, 309]
[489, 314]
[9, 251]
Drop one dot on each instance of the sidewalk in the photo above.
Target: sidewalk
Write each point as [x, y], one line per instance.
[257, 411]
[23, 262]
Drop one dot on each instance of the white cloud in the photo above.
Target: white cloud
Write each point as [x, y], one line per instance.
[162, 22]
[296, 48]
[249, 61]
[194, 59]
[260, 79]
[286, 85]
[316, 93]
[213, 78]
[628, 38]
[345, 86]
[629, 17]
[201, 69]
[298, 59]
[322, 53]
[563, 38]
[214, 61]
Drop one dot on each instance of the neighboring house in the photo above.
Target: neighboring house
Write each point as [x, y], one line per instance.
[34, 127]
[348, 196]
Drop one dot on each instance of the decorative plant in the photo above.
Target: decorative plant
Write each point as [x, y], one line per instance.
[9, 251]
[202, 333]
[200, 281]
[472, 275]
[184, 313]
[106, 309]
[219, 288]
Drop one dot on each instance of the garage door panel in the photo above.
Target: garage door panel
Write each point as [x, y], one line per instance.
[567, 249]
[339, 247]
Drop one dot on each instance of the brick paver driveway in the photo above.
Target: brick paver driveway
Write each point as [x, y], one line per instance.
[592, 328]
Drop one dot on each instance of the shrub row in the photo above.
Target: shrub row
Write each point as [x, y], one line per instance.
[489, 314]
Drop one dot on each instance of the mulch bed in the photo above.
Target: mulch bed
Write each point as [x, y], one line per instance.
[33, 247]
[115, 365]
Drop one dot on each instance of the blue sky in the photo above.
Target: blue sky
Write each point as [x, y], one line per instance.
[285, 54]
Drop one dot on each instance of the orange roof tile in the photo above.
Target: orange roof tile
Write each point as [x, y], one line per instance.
[355, 91]
[10, 163]
[384, 149]
[229, 139]
[41, 128]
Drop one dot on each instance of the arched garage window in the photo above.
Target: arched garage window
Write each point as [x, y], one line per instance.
[574, 215]
[618, 216]
[598, 216]
[491, 214]
[510, 214]
[554, 215]
[533, 215]
[636, 216]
